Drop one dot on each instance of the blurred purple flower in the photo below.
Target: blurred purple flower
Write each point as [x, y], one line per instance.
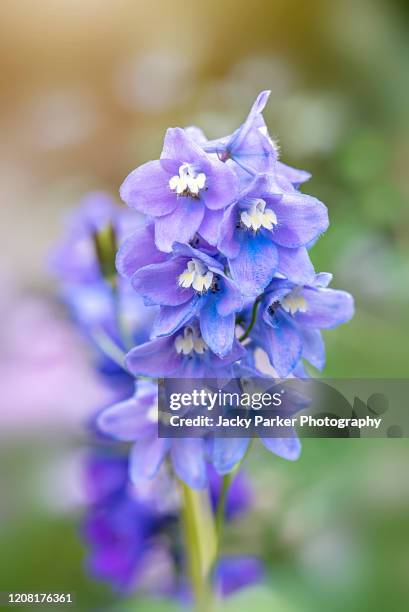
[124, 535]
[234, 573]
[239, 496]
[95, 303]
[135, 545]
[74, 259]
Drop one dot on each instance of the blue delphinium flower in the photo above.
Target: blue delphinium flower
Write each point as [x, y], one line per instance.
[184, 283]
[249, 146]
[253, 150]
[192, 283]
[183, 354]
[266, 232]
[178, 189]
[291, 317]
[122, 531]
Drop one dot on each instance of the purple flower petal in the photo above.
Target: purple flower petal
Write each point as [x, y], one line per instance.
[288, 448]
[255, 265]
[228, 298]
[299, 371]
[180, 147]
[196, 133]
[313, 346]
[180, 225]
[155, 358]
[261, 184]
[293, 175]
[258, 106]
[229, 243]
[275, 292]
[248, 139]
[138, 251]
[146, 458]
[301, 219]
[239, 497]
[236, 353]
[194, 368]
[128, 420]
[322, 279]
[234, 573]
[221, 187]
[217, 331]
[283, 344]
[171, 318]
[188, 461]
[250, 144]
[227, 452]
[295, 265]
[158, 283]
[210, 226]
[147, 189]
[326, 308]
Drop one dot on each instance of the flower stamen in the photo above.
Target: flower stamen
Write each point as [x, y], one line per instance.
[188, 182]
[257, 216]
[294, 302]
[197, 276]
[190, 342]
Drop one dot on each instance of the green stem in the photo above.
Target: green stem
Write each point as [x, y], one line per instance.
[226, 482]
[124, 331]
[252, 320]
[201, 545]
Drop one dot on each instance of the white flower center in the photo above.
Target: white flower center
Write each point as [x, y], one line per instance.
[294, 302]
[197, 276]
[190, 341]
[188, 182]
[257, 216]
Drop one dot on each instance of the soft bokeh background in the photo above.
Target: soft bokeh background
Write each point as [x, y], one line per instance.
[88, 88]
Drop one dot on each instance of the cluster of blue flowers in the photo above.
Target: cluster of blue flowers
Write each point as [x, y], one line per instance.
[224, 249]
[211, 269]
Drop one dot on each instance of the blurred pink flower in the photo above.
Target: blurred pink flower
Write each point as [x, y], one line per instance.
[47, 377]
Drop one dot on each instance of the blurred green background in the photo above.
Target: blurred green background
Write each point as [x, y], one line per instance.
[88, 88]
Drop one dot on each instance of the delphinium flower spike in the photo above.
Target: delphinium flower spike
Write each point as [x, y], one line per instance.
[221, 262]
